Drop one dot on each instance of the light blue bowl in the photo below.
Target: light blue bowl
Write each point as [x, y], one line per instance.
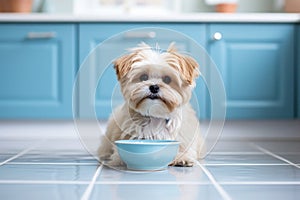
[147, 154]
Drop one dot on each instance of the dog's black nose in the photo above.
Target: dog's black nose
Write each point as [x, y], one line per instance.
[154, 89]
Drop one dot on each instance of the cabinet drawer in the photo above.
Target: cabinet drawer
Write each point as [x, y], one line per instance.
[36, 70]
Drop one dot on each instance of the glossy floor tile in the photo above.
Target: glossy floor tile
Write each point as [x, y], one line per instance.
[41, 191]
[179, 175]
[47, 172]
[155, 191]
[274, 192]
[270, 173]
[217, 159]
[236, 170]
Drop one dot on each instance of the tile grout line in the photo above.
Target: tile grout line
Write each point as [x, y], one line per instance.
[54, 163]
[87, 193]
[96, 164]
[229, 153]
[66, 182]
[20, 153]
[275, 155]
[261, 183]
[218, 187]
[246, 164]
[47, 182]
[244, 153]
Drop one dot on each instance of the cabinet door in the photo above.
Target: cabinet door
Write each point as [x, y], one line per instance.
[36, 70]
[256, 62]
[93, 34]
[298, 71]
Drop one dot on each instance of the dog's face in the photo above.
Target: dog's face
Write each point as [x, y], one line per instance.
[155, 83]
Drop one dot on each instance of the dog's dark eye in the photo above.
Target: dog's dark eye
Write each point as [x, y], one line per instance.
[167, 79]
[144, 77]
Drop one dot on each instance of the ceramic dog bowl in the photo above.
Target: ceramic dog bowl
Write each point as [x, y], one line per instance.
[147, 154]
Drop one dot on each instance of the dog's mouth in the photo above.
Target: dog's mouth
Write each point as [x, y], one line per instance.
[153, 96]
[169, 105]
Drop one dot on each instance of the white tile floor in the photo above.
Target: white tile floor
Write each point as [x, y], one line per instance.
[263, 168]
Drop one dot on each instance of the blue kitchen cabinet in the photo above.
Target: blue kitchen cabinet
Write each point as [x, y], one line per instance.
[298, 72]
[36, 70]
[256, 62]
[100, 44]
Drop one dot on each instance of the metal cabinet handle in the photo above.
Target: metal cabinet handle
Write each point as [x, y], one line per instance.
[40, 35]
[140, 35]
[217, 36]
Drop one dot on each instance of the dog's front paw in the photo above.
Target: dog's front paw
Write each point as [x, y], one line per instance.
[114, 161]
[182, 163]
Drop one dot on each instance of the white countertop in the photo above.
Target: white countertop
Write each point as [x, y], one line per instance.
[174, 17]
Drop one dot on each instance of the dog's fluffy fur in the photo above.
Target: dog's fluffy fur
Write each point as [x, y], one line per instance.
[163, 114]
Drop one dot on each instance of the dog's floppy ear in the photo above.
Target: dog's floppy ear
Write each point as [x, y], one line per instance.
[187, 65]
[189, 68]
[123, 64]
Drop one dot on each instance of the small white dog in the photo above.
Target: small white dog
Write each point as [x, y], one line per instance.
[157, 87]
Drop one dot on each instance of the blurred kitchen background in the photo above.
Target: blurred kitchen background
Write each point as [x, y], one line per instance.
[130, 6]
[256, 50]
